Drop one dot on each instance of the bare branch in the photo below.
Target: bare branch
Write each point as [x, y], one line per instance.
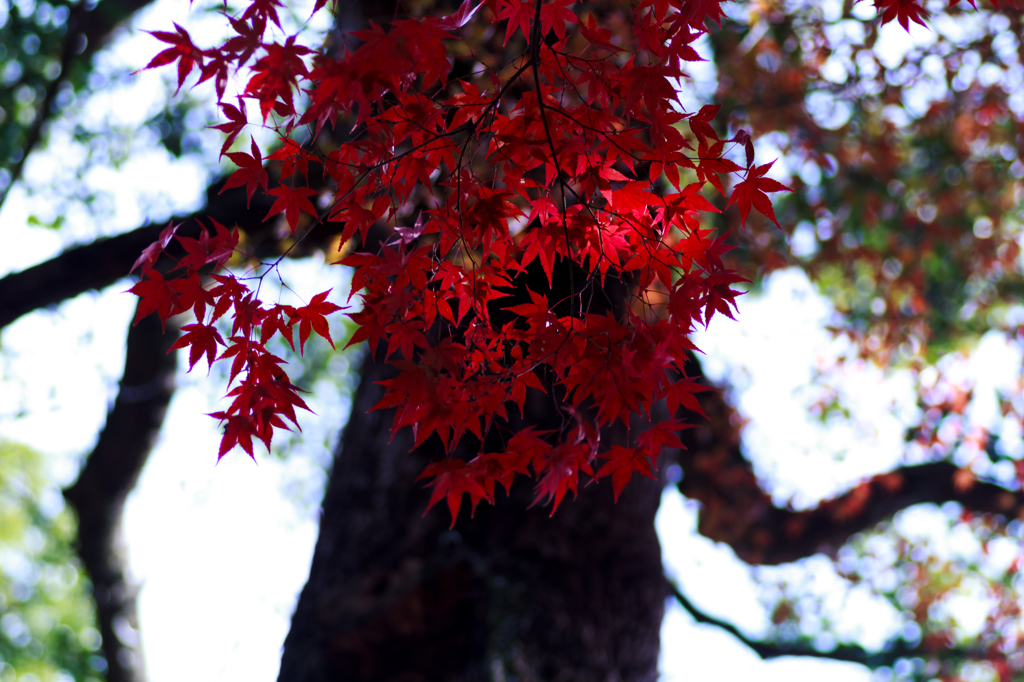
[103, 262]
[737, 510]
[850, 653]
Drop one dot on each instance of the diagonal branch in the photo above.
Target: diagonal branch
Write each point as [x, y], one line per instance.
[74, 271]
[103, 262]
[737, 511]
[767, 649]
[109, 474]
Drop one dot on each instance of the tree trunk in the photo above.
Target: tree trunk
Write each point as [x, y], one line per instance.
[510, 594]
[109, 474]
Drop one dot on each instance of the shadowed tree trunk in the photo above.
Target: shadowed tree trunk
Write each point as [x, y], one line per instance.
[513, 593]
[395, 595]
[108, 476]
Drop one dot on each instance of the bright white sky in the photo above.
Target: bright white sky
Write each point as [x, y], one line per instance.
[222, 551]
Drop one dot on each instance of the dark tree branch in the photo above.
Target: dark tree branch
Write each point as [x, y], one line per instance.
[850, 653]
[79, 269]
[103, 262]
[109, 474]
[737, 511]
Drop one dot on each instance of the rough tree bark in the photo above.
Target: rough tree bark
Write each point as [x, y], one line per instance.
[514, 592]
[395, 595]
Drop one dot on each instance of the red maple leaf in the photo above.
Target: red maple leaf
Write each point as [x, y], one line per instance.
[274, 76]
[544, 243]
[536, 312]
[241, 351]
[206, 250]
[697, 11]
[720, 297]
[682, 394]
[632, 199]
[700, 124]
[457, 19]
[250, 172]
[290, 201]
[242, 46]
[182, 50]
[260, 10]
[563, 474]
[904, 11]
[155, 295]
[236, 121]
[452, 478]
[192, 294]
[596, 35]
[519, 14]
[622, 463]
[239, 430]
[751, 192]
[292, 157]
[661, 435]
[153, 251]
[554, 16]
[406, 337]
[221, 247]
[203, 339]
[312, 318]
[649, 83]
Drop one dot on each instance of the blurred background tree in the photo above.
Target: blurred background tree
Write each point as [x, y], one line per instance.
[906, 154]
[48, 624]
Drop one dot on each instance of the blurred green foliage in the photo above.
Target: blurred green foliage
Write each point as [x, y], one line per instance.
[31, 46]
[46, 612]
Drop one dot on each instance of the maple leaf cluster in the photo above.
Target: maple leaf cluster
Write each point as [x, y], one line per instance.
[264, 395]
[573, 157]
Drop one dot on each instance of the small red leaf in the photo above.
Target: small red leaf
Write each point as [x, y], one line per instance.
[250, 172]
[452, 478]
[311, 318]
[182, 50]
[751, 192]
[203, 339]
[290, 201]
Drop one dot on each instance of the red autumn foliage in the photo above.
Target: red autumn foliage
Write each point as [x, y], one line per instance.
[572, 156]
